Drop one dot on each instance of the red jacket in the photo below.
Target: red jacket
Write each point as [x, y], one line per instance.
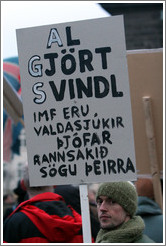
[44, 218]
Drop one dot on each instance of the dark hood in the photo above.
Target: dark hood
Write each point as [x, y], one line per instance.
[147, 206]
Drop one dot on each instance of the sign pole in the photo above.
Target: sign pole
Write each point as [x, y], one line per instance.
[87, 237]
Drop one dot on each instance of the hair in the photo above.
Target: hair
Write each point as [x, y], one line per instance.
[144, 187]
[34, 190]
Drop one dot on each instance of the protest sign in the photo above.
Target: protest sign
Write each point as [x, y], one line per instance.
[145, 68]
[76, 101]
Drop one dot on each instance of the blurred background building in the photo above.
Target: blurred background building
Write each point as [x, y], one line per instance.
[13, 170]
[143, 23]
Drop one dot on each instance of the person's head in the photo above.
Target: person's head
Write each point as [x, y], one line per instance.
[116, 203]
[20, 191]
[33, 191]
[144, 187]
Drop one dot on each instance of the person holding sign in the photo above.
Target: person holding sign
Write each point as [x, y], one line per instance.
[44, 218]
[116, 205]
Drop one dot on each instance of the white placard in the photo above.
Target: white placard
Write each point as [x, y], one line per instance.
[76, 101]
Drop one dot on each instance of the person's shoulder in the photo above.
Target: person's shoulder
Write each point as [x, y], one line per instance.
[144, 239]
[15, 218]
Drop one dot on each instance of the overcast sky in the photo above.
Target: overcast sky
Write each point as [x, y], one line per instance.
[20, 14]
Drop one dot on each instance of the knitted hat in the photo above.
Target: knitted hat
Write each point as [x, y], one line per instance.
[124, 193]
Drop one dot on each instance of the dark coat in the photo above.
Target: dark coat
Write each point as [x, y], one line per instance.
[45, 218]
[152, 215]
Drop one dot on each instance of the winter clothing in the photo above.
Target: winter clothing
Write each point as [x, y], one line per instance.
[152, 215]
[128, 232]
[68, 192]
[45, 218]
[124, 193]
[22, 195]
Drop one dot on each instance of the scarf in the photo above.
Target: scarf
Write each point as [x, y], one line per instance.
[128, 232]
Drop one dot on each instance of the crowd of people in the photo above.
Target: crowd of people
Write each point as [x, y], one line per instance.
[120, 212]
